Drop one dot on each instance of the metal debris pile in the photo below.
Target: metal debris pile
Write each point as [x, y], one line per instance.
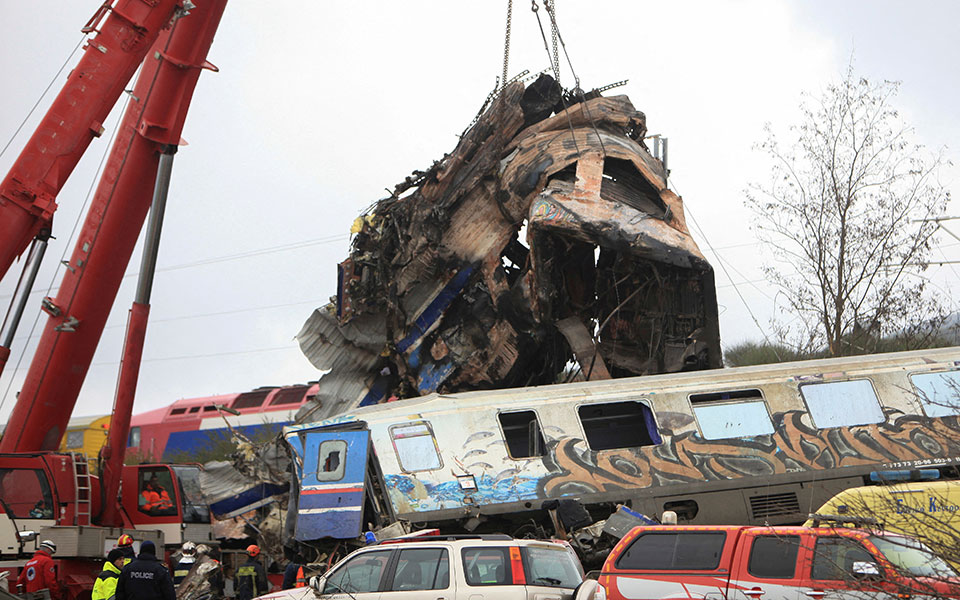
[539, 240]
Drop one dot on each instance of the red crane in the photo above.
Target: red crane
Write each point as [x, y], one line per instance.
[175, 36]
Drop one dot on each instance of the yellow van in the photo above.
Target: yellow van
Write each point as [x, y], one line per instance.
[926, 510]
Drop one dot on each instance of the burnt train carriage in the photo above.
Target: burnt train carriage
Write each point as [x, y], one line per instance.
[741, 445]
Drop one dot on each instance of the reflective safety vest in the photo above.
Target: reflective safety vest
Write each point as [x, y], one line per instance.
[301, 580]
[105, 587]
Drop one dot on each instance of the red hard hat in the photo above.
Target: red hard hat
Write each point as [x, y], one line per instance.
[253, 549]
[124, 540]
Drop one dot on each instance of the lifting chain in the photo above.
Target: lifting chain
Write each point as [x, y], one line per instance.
[506, 44]
[555, 59]
[551, 6]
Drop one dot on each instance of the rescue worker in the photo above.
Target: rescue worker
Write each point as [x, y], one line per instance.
[156, 500]
[293, 575]
[105, 587]
[40, 572]
[125, 545]
[145, 578]
[188, 557]
[251, 579]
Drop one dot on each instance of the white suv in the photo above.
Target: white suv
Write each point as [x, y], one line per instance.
[452, 568]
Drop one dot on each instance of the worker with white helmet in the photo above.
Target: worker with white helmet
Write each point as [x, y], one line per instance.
[40, 572]
[188, 558]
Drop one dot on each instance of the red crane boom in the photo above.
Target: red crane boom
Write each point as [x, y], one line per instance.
[28, 193]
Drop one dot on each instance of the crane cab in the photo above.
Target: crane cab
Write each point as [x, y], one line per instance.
[166, 498]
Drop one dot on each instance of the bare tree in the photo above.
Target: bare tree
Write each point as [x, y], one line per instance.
[847, 214]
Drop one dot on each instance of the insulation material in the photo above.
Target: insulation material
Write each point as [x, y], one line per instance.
[540, 240]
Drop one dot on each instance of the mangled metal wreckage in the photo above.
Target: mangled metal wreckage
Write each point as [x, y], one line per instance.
[440, 294]
[538, 241]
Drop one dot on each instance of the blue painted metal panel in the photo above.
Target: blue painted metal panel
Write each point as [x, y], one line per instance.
[432, 375]
[436, 308]
[251, 498]
[332, 478]
[194, 441]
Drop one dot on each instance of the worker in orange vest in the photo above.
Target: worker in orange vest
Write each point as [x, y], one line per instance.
[293, 576]
[156, 499]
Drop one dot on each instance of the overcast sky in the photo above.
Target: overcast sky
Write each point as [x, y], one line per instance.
[319, 106]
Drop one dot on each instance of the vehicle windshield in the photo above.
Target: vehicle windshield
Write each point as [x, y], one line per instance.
[910, 556]
[552, 566]
[195, 509]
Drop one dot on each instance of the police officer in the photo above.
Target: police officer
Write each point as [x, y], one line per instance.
[105, 587]
[188, 558]
[145, 578]
[251, 579]
[40, 572]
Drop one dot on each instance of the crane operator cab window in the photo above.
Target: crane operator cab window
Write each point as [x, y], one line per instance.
[25, 494]
[157, 494]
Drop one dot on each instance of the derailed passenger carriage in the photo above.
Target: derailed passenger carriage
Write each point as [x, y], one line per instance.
[739, 445]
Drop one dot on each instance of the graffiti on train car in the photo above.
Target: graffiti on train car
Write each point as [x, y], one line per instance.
[795, 447]
[572, 469]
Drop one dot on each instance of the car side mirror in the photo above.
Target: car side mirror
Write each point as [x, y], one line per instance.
[865, 568]
[316, 582]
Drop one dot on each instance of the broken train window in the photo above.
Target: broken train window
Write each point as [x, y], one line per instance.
[618, 425]
[522, 432]
[416, 447]
[939, 393]
[331, 460]
[731, 414]
[842, 403]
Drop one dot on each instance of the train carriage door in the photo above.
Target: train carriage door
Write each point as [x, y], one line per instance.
[332, 484]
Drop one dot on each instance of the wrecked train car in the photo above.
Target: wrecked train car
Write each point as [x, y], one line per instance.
[541, 239]
[739, 445]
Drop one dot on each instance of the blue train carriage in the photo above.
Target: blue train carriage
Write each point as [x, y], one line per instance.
[752, 445]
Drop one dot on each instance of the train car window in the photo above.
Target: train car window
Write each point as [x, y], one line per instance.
[669, 551]
[522, 432]
[774, 556]
[250, 399]
[734, 414]
[290, 395]
[178, 411]
[618, 425]
[133, 440]
[416, 447]
[74, 440]
[209, 408]
[939, 393]
[842, 403]
[332, 460]
[195, 409]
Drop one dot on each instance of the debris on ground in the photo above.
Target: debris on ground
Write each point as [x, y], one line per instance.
[538, 241]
